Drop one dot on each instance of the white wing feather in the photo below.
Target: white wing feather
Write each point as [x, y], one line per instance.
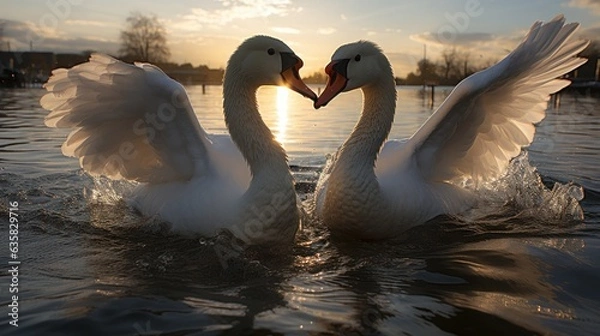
[131, 121]
[490, 116]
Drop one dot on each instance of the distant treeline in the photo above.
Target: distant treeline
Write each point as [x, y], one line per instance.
[454, 66]
[35, 67]
[186, 73]
[316, 78]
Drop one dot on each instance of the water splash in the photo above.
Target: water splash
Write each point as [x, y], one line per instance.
[108, 208]
[521, 194]
[107, 191]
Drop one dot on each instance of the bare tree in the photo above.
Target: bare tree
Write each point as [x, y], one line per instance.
[144, 39]
[453, 66]
[448, 62]
[427, 71]
[462, 65]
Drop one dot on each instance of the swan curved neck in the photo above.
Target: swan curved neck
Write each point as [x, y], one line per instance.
[374, 125]
[249, 132]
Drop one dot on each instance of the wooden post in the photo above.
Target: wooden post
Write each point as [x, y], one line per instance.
[432, 93]
[555, 99]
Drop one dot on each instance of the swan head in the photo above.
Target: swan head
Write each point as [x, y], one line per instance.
[264, 60]
[352, 66]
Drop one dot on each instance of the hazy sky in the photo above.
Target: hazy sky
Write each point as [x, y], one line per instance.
[206, 32]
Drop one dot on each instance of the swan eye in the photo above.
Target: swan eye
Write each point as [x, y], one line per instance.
[357, 58]
[271, 51]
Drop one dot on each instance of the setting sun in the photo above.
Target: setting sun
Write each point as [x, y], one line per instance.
[207, 32]
[295, 167]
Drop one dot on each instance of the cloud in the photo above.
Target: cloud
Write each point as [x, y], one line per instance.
[452, 38]
[234, 10]
[90, 23]
[23, 35]
[326, 31]
[18, 30]
[393, 30]
[593, 5]
[285, 30]
[79, 44]
[592, 33]
[483, 47]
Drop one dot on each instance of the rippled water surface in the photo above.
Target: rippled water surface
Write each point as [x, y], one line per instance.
[523, 264]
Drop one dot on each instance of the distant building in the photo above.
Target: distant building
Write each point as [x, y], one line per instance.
[43, 61]
[34, 65]
[199, 75]
[588, 71]
[69, 60]
[9, 77]
[586, 78]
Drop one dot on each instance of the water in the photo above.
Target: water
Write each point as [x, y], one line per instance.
[523, 267]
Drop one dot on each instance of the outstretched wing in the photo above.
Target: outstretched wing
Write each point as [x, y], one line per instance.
[490, 116]
[130, 121]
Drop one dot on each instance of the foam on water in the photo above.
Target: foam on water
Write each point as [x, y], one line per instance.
[92, 265]
[521, 193]
[107, 191]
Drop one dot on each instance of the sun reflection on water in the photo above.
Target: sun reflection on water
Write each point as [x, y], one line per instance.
[282, 114]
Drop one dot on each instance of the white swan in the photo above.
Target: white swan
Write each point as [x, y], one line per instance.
[133, 122]
[472, 136]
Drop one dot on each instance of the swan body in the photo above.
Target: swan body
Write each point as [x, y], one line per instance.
[133, 122]
[371, 190]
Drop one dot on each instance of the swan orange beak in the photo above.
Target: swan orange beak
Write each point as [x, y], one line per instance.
[336, 70]
[291, 65]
